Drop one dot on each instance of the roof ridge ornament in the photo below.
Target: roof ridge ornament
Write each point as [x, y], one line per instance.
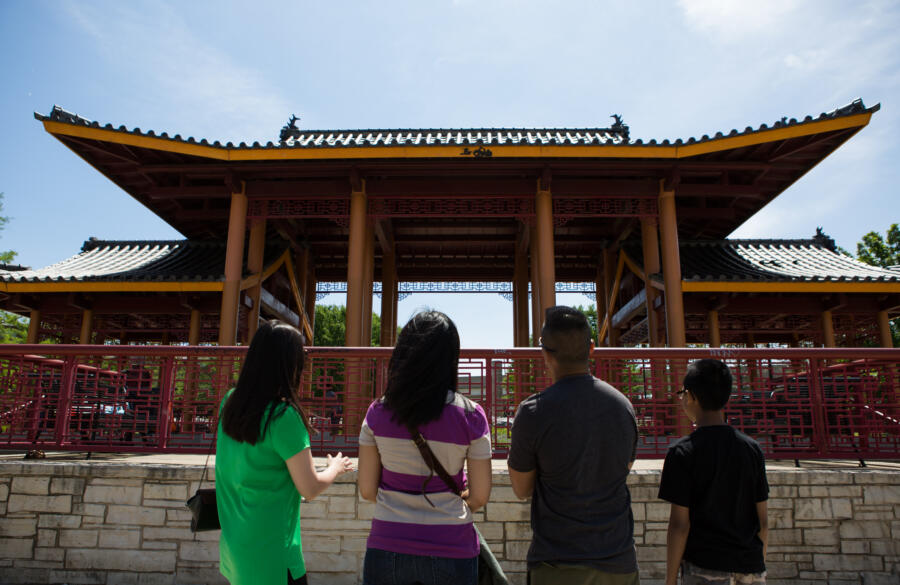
[824, 240]
[290, 131]
[620, 127]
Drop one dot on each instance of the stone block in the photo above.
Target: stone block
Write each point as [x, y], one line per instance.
[821, 509]
[786, 536]
[329, 544]
[313, 509]
[882, 494]
[855, 547]
[781, 518]
[141, 561]
[37, 486]
[342, 489]
[200, 551]
[159, 545]
[47, 504]
[778, 570]
[156, 579]
[518, 531]
[58, 521]
[658, 512]
[166, 533]
[782, 491]
[179, 515]
[507, 512]
[121, 578]
[655, 537]
[78, 538]
[491, 530]
[78, 577]
[515, 550]
[130, 480]
[879, 578]
[49, 554]
[199, 576]
[504, 494]
[780, 503]
[639, 511]
[831, 562]
[111, 538]
[4, 492]
[820, 536]
[18, 527]
[869, 476]
[869, 529]
[17, 548]
[136, 515]
[332, 563]
[166, 491]
[342, 505]
[334, 578]
[366, 510]
[9, 576]
[112, 494]
[651, 554]
[644, 493]
[46, 537]
[66, 485]
[353, 544]
[832, 491]
[335, 525]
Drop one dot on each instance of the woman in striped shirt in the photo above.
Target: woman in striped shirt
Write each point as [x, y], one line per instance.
[422, 532]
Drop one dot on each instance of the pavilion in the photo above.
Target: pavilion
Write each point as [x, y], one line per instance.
[522, 211]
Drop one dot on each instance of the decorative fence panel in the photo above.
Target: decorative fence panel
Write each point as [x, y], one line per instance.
[798, 403]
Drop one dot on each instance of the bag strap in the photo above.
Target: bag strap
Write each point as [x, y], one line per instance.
[435, 466]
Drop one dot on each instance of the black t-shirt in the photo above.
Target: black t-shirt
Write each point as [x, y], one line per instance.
[718, 473]
[579, 435]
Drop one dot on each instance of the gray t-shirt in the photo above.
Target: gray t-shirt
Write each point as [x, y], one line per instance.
[580, 434]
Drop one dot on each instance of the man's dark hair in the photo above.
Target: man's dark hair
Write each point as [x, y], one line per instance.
[709, 381]
[566, 335]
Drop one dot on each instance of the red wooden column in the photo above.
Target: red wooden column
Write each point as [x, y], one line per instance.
[828, 329]
[545, 246]
[388, 298]
[255, 267]
[715, 339]
[370, 278]
[884, 330]
[537, 318]
[609, 282]
[356, 267]
[194, 332]
[520, 298]
[87, 319]
[34, 327]
[650, 244]
[671, 261]
[234, 255]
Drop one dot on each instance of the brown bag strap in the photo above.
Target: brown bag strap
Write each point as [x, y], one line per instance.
[435, 466]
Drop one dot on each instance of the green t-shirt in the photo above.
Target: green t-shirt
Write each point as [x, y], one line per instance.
[259, 506]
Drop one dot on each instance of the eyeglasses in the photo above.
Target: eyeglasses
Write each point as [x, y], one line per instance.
[544, 347]
[681, 392]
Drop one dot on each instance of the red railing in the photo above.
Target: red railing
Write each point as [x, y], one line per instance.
[798, 403]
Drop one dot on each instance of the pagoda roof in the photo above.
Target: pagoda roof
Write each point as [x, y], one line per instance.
[775, 260]
[145, 261]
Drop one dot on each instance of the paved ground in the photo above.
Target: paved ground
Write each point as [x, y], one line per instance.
[499, 464]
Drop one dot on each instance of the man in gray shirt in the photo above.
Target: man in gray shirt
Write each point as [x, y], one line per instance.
[572, 448]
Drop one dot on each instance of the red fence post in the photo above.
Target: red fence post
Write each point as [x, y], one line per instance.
[817, 399]
[64, 403]
[167, 390]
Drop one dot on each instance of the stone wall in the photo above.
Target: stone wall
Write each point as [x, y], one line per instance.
[117, 523]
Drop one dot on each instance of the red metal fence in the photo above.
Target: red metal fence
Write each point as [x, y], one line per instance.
[798, 403]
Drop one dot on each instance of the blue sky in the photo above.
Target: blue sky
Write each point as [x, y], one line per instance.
[237, 70]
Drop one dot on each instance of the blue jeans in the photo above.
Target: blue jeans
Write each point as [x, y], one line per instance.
[389, 568]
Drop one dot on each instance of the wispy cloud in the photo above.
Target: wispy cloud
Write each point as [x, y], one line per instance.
[733, 21]
[186, 77]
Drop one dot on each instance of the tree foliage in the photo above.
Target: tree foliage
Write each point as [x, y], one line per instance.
[591, 313]
[331, 326]
[877, 250]
[13, 328]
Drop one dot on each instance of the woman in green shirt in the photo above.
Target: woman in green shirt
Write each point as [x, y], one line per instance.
[263, 460]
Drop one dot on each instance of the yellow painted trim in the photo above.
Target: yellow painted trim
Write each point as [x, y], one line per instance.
[607, 320]
[444, 151]
[295, 291]
[54, 287]
[792, 287]
[255, 279]
[633, 267]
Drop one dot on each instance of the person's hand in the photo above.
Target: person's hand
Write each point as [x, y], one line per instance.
[339, 463]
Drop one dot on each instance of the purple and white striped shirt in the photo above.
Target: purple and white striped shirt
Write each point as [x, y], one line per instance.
[404, 521]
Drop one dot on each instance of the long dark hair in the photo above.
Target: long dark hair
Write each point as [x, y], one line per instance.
[423, 367]
[270, 375]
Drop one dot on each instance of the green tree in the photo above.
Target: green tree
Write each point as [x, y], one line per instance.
[876, 250]
[591, 313]
[331, 326]
[13, 328]
[879, 251]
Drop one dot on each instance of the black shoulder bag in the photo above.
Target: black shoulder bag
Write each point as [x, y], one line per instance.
[489, 570]
[204, 510]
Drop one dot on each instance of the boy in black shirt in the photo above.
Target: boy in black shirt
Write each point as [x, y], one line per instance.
[715, 479]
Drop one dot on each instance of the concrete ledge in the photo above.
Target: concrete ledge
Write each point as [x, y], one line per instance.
[121, 519]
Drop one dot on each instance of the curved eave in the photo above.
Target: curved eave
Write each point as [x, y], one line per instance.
[789, 287]
[109, 287]
[222, 153]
